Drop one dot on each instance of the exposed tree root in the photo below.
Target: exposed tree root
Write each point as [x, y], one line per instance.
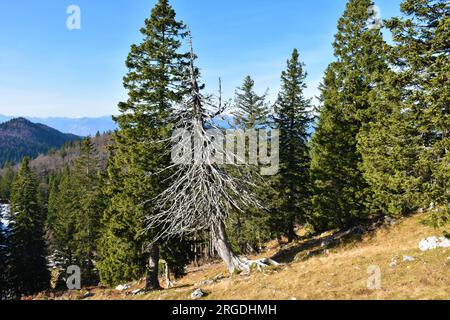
[246, 265]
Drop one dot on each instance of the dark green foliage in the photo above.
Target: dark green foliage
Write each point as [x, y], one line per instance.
[75, 205]
[29, 273]
[88, 180]
[62, 199]
[422, 52]
[252, 110]
[405, 149]
[177, 253]
[6, 180]
[341, 193]
[249, 230]
[20, 137]
[389, 148]
[293, 119]
[154, 83]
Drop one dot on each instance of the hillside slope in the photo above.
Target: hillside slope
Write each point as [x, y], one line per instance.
[56, 159]
[311, 272]
[20, 137]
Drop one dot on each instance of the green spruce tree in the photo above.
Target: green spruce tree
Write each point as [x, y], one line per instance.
[249, 230]
[6, 181]
[154, 83]
[75, 205]
[87, 182]
[53, 199]
[341, 193]
[29, 273]
[252, 110]
[389, 149]
[61, 219]
[405, 150]
[422, 52]
[293, 119]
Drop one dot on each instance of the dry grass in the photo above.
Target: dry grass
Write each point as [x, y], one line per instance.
[339, 273]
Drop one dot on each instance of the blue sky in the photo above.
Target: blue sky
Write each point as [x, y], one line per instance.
[49, 70]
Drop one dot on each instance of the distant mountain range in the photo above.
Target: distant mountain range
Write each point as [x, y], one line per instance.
[20, 137]
[78, 126]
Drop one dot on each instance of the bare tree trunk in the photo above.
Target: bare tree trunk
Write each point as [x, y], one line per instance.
[195, 252]
[152, 282]
[223, 248]
[192, 197]
[167, 275]
[232, 261]
[211, 249]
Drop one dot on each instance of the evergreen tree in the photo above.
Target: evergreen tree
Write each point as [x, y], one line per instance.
[422, 57]
[405, 148]
[251, 109]
[87, 183]
[29, 273]
[292, 118]
[249, 230]
[340, 192]
[389, 148]
[154, 83]
[53, 198]
[6, 181]
[61, 219]
[75, 206]
[4, 262]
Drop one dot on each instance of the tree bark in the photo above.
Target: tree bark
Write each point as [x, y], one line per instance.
[223, 248]
[292, 236]
[151, 281]
[167, 275]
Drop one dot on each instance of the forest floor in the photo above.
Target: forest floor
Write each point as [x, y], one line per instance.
[318, 268]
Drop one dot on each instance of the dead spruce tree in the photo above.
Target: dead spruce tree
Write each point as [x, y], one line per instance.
[201, 194]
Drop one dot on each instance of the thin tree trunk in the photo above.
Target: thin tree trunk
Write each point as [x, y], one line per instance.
[167, 275]
[223, 248]
[152, 282]
[291, 232]
[195, 252]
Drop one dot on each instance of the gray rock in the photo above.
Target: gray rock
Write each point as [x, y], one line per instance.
[431, 243]
[408, 258]
[390, 221]
[197, 294]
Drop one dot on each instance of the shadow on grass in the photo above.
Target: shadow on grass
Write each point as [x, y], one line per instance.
[308, 248]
